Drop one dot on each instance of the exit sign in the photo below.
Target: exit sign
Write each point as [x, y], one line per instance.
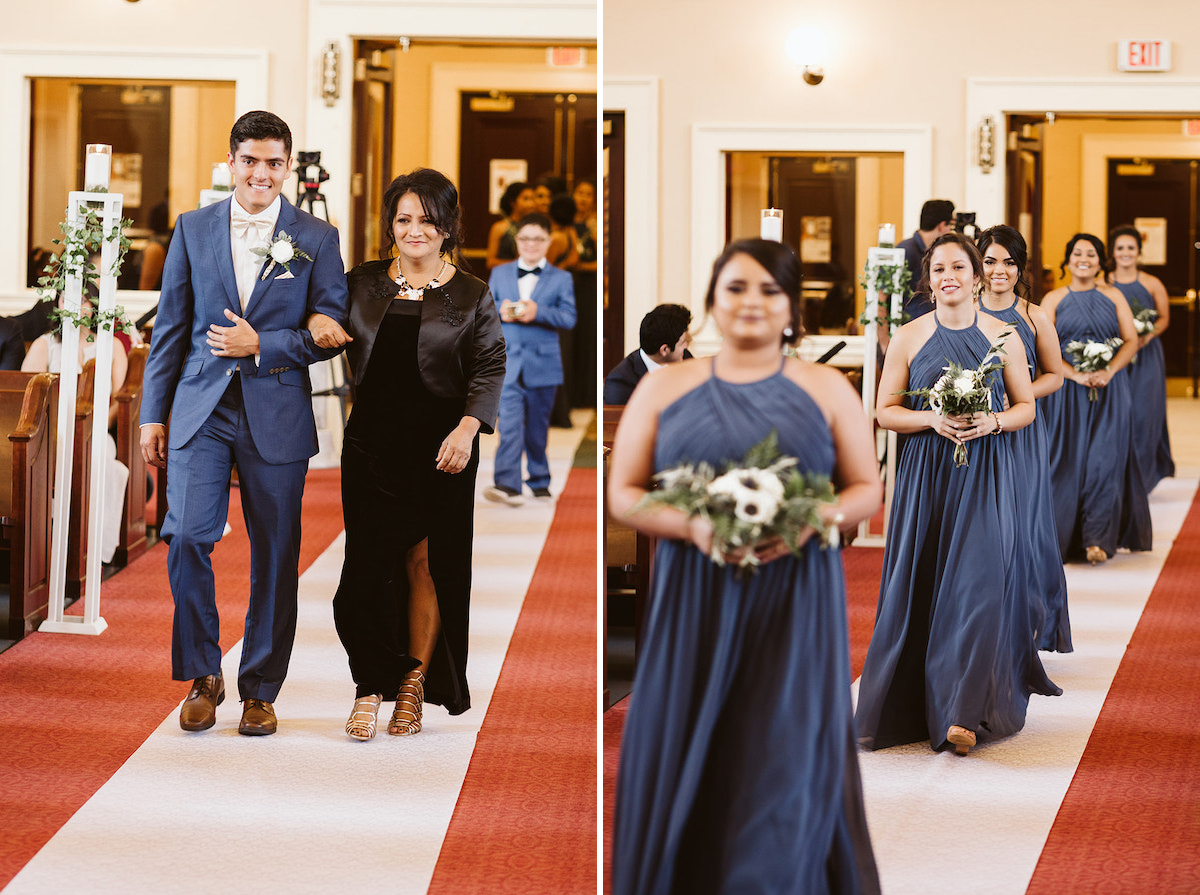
[1144, 55]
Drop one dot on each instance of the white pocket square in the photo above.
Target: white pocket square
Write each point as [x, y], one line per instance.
[286, 275]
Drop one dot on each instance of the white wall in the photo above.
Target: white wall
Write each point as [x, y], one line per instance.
[887, 65]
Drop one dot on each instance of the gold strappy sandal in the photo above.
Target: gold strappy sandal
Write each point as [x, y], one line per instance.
[361, 724]
[961, 738]
[406, 719]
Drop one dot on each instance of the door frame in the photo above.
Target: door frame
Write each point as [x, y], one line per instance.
[638, 99]
[449, 81]
[1097, 150]
[1140, 92]
[710, 143]
[247, 69]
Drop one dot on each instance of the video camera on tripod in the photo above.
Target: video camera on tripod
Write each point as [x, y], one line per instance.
[310, 175]
[964, 223]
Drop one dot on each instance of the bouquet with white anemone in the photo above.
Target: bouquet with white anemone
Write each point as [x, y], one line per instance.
[1091, 357]
[963, 392]
[762, 496]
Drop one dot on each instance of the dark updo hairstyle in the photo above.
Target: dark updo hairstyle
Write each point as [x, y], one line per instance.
[1123, 230]
[439, 201]
[953, 238]
[779, 261]
[1011, 240]
[508, 201]
[1097, 244]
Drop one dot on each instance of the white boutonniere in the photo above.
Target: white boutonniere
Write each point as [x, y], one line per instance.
[281, 250]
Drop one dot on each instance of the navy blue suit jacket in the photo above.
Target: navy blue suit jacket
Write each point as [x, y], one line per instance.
[532, 349]
[184, 380]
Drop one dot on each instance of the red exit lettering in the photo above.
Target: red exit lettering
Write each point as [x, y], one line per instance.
[1144, 55]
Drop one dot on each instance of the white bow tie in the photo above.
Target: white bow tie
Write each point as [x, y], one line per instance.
[243, 224]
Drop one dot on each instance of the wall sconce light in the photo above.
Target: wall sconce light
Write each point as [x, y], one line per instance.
[330, 69]
[805, 47]
[987, 144]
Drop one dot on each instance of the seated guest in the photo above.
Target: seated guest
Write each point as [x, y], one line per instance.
[664, 338]
[12, 344]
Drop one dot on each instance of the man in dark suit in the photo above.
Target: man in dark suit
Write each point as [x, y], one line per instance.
[663, 338]
[228, 366]
[535, 300]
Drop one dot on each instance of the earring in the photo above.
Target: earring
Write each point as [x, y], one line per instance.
[788, 332]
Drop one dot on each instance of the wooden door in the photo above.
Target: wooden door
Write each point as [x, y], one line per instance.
[1160, 197]
[372, 147]
[612, 207]
[1023, 209]
[546, 134]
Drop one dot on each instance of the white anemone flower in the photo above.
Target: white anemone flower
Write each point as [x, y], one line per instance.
[756, 507]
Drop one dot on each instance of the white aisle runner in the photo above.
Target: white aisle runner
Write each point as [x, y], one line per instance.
[979, 823]
[306, 809]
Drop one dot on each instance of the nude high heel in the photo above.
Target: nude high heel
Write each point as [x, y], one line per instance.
[961, 738]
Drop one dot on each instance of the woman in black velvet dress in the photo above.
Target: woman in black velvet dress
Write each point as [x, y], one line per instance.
[427, 356]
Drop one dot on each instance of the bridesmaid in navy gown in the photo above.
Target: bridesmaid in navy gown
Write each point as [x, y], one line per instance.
[1099, 499]
[953, 657]
[1004, 258]
[1148, 373]
[738, 771]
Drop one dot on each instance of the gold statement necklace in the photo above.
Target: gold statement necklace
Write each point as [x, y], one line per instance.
[411, 293]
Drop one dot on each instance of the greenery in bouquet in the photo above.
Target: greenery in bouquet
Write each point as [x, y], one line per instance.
[876, 279]
[762, 496]
[1143, 320]
[963, 392]
[1091, 357]
[80, 242]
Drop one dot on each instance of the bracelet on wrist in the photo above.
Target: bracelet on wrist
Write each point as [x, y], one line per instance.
[999, 425]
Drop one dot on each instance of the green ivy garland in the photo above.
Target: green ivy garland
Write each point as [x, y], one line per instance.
[80, 241]
[901, 279]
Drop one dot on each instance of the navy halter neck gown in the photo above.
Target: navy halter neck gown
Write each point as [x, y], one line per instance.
[955, 638]
[738, 771]
[1099, 498]
[1033, 467]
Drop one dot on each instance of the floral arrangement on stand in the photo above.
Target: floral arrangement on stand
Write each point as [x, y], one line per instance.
[1092, 357]
[762, 496]
[81, 240]
[963, 392]
[874, 279]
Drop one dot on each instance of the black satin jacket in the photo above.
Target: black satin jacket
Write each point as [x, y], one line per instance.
[460, 350]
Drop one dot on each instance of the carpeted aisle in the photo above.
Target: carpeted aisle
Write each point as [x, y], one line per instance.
[1132, 812]
[74, 708]
[305, 810]
[526, 818]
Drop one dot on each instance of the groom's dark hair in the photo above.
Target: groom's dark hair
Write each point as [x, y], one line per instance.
[260, 125]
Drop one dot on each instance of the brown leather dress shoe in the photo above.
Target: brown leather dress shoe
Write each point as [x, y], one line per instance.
[258, 718]
[199, 710]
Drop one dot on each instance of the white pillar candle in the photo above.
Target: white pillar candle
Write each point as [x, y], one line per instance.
[887, 236]
[96, 168]
[220, 176]
[772, 224]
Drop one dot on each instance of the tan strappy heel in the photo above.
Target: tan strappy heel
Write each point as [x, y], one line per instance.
[406, 719]
[361, 724]
[1096, 555]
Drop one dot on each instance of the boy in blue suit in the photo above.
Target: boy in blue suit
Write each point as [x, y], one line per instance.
[535, 300]
[228, 366]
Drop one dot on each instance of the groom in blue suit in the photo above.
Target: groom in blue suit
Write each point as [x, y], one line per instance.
[228, 366]
[535, 300]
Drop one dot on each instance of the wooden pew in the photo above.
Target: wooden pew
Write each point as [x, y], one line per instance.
[132, 543]
[627, 553]
[27, 408]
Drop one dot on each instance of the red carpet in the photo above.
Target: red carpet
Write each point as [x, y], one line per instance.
[525, 821]
[76, 707]
[1130, 821]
